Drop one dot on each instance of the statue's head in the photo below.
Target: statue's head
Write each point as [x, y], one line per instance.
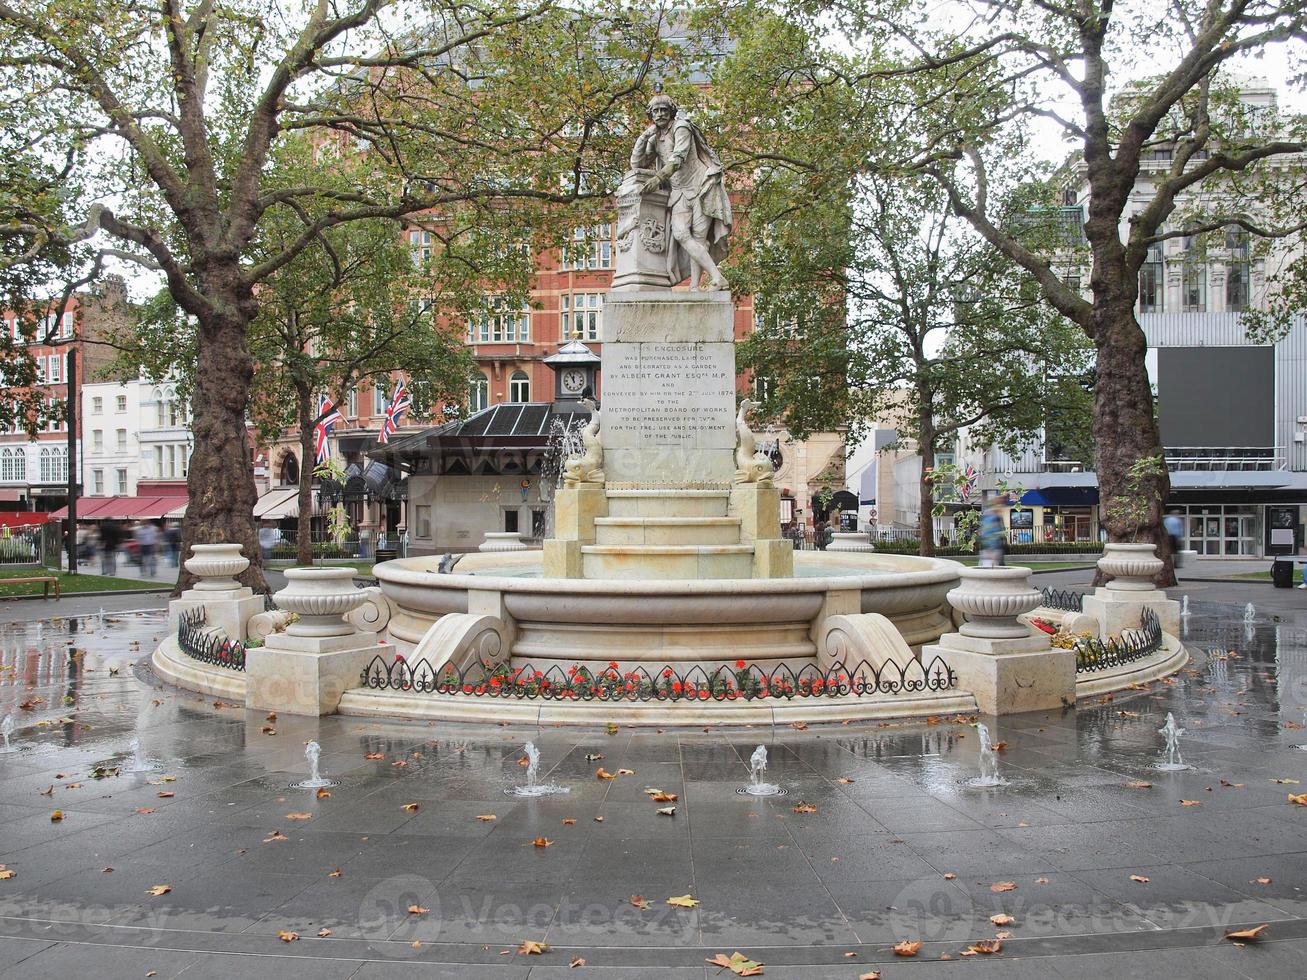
[662, 109]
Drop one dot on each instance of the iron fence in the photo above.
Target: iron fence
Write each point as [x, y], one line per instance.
[27, 545]
[206, 646]
[746, 682]
[1068, 600]
[1095, 655]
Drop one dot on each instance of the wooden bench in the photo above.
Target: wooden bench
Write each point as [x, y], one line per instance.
[45, 580]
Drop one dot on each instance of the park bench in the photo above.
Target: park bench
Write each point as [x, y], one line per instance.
[45, 580]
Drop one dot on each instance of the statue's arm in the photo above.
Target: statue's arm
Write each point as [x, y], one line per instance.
[641, 152]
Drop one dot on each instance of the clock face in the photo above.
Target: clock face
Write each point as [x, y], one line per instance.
[573, 380]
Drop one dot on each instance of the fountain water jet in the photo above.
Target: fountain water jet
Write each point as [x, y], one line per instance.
[140, 762]
[313, 752]
[532, 787]
[757, 766]
[1184, 605]
[1173, 762]
[6, 730]
[1249, 614]
[989, 776]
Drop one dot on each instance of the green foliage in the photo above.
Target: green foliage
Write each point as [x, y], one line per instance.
[1130, 509]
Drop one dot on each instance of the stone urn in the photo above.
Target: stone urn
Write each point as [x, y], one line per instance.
[992, 599]
[502, 541]
[1132, 566]
[216, 566]
[320, 597]
[850, 541]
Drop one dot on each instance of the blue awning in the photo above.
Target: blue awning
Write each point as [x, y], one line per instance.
[1060, 497]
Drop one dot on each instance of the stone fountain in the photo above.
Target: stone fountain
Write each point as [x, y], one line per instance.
[666, 544]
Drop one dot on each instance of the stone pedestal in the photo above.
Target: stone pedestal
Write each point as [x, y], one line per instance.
[1118, 610]
[502, 541]
[1006, 664]
[643, 238]
[562, 559]
[308, 675]
[759, 511]
[773, 558]
[850, 541]
[227, 604]
[668, 413]
[575, 510]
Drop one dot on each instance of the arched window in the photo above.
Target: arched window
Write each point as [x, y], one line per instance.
[519, 387]
[290, 470]
[478, 394]
[160, 410]
[54, 464]
[13, 465]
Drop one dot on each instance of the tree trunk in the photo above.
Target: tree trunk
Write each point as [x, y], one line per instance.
[221, 478]
[1125, 429]
[926, 500]
[308, 459]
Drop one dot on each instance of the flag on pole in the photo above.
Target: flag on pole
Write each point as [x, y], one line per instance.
[328, 418]
[399, 404]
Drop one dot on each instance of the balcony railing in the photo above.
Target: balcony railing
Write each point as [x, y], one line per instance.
[1226, 458]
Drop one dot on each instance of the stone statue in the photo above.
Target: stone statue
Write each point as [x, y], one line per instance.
[751, 465]
[698, 208]
[588, 465]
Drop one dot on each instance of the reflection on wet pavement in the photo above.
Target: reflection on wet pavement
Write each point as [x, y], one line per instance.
[893, 845]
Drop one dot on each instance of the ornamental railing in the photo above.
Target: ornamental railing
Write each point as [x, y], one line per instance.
[208, 645]
[1067, 600]
[743, 682]
[1094, 655]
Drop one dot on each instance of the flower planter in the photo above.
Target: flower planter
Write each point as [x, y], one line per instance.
[216, 566]
[321, 597]
[850, 541]
[992, 599]
[502, 541]
[1132, 566]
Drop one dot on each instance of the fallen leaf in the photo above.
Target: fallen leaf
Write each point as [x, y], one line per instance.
[324, 932]
[603, 773]
[658, 796]
[7, 873]
[804, 807]
[486, 816]
[667, 811]
[272, 716]
[375, 755]
[626, 772]
[1191, 803]
[1247, 933]
[907, 948]
[1003, 886]
[334, 874]
[106, 871]
[1139, 784]
[737, 963]
[299, 816]
[1141, 879]
[1300, 799]
[1041, 881]
[986, 946]
[575, 962]
[800, 725]
[411, 807]
[163, 794]
[57, 815]
[532, 948]
[594, 756]
[323, 794]
[524, 761]
[569, 821]
[48, 792]
[683, 901]
[844, 780]
[269, 730]
[1260, 881]
[1287, 782]
[872, 975]
[599, 819]
[275, 835]
[1002, 919]
[639, 901]
[999, 746]
[418, 910]
[399, 763]
[145, 809]
[158, 890]
[286, 936]
[542, 842]
[79, 786]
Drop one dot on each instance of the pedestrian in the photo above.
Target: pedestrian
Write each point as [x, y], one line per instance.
[172, 538]
[991, 535]
[111, 538]
[147, 540]
[1173, 523]
[269, 538]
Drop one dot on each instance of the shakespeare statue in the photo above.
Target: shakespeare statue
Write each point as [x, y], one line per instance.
[671, 156]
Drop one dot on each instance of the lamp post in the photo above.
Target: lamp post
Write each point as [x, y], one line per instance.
[74, 470]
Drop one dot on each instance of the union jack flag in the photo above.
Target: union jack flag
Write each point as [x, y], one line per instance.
[968, 482]
[328, 418]
[399, 404]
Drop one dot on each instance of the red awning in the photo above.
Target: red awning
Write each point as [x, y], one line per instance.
[22, 518]
[120, 508]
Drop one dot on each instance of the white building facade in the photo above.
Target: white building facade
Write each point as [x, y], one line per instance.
[136, 435]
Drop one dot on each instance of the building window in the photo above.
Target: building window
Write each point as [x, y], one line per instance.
[1193, 297]
[13, 465]
[499, 325]
[590, 248]
[66, 327]
[121, 440]
[478, 394]
[422, 245]
[763, 386]
[519, 387]
[159, 410]
[1236, 286]
[97, 405]
[379, 399]
[581, 316]
[424, 521]
[352, 404]
[122, 482]
[52, 373]
[1152, 283]
[97, 440]
[120, 403]
[54, 464]
[97, 483]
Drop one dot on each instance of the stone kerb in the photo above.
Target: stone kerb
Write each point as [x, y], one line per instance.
[307, 668]
[1120, 604]
[227, 604]
[1007, 665]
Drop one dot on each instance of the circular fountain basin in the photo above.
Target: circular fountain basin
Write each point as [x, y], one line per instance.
[669, 621]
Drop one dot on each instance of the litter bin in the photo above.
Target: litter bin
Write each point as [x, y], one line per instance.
[1282, 574]
[386, 554]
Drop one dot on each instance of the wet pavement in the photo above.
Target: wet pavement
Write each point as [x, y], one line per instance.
[408, 880]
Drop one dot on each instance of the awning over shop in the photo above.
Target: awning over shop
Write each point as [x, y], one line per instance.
[22, 518]
[278, 503]
[1060, 497]
[124, 508]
